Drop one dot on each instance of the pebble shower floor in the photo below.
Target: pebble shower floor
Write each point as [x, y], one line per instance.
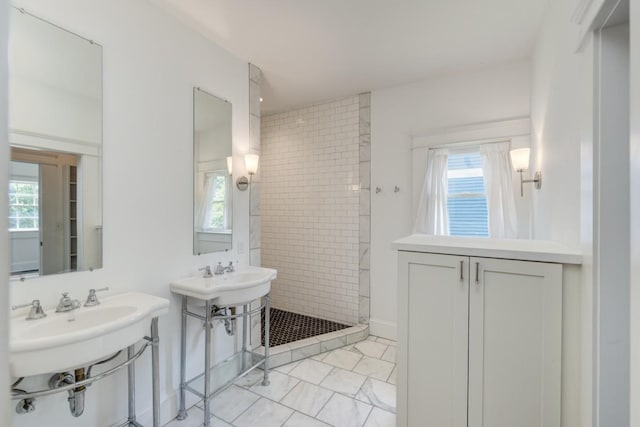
[287, 327]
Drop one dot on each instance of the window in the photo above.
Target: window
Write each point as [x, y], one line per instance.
[23, 205]
[217, 218]
[466, 198]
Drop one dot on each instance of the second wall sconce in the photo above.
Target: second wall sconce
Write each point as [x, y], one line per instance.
[520, 162]
[251, 164]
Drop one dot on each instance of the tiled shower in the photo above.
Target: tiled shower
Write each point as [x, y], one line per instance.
[314, 208]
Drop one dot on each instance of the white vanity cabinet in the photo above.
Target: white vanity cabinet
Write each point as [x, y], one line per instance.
[480, 338]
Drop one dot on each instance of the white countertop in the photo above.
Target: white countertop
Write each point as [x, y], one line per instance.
[520, 249]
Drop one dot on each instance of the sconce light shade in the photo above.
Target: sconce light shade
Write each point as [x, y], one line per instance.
[251, 163]
[230, 165]
[520, 162]
[520, 159]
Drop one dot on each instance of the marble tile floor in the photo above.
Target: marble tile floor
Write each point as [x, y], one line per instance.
[351, 386]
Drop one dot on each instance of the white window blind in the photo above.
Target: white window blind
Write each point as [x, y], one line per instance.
[466, 196]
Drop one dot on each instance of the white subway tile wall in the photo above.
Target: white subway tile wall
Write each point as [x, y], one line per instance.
[310, 205]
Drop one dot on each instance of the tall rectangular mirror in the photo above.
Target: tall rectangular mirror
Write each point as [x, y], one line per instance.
[213, 190]
[55, 134]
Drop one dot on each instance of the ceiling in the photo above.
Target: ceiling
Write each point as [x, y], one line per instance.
[314, 50]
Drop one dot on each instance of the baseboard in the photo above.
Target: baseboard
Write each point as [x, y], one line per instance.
[383, 328]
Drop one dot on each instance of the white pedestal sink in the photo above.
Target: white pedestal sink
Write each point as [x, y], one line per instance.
[64, 341]
[236, 288]
[233, 289]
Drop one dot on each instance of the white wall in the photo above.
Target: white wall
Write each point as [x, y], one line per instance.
[562, 141]
[151, 64]
[556, 93]
[567, 124]
[52, 111]
[5, 405]
[488, 94]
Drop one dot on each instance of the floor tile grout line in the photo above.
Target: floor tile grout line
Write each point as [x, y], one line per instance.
[288, 418]
[368, 416]
[242, 413]
[323, 406]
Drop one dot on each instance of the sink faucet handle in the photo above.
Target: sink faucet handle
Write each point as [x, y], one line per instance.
[36, 311]
[92, 299]
[230, 268]
[28, 304]
[207, 271]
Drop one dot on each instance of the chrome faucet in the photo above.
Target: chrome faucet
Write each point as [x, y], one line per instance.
[207, 271]
[92, 298]
[221, 270]
[36, 311]
[67, 304]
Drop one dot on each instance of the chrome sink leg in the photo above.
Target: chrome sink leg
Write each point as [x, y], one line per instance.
[207, 364]
[182, 411]
[265, 366]
[155, 369]
[131, 374]
[245, 325]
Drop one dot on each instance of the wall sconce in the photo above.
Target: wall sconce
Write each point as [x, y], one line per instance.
[251, 164]
[520, 162]
[230, 165]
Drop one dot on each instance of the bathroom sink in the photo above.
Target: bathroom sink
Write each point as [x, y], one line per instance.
[63, 341]
[236, 288]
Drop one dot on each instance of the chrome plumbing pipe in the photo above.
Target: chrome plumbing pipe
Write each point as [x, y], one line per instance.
[21, 394]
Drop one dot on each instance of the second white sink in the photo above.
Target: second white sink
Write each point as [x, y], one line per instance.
[63, 341]
[239, 287]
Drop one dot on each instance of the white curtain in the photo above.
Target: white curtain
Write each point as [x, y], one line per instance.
[432, 210]
[496, 168]
[204, 210]
[228, 217]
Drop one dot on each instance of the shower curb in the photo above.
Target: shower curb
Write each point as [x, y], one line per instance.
[297, 350]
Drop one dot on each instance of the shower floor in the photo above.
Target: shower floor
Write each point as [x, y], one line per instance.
[287, 327]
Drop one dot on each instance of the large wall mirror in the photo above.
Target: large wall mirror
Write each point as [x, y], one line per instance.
[213, 191]
[55, 134]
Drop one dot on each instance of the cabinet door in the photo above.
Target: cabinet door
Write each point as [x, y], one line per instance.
[515, 327]
[433, 346]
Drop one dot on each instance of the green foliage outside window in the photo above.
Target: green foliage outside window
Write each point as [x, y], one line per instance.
[218, 202]
[23, 205]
